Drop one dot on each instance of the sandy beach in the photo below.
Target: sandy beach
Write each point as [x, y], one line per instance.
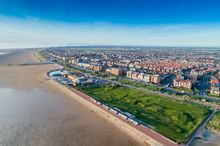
[35, 111]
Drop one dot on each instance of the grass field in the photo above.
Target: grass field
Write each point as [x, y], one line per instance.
[173, 119]
[136, 84]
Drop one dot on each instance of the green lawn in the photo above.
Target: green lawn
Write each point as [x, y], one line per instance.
[136, 84]
[173, 119]
[183, 89]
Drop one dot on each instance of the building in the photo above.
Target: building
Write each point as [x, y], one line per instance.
[115, 71]
[144, 77]
[97, 67]
[132, 75]
[138, 76]
[76, 79]
[155, 79]
[84, 65]
[181, 83]
[215, 86]
[73, 61]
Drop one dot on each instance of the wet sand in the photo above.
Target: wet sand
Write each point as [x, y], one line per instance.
[213, 140]
[35, 112]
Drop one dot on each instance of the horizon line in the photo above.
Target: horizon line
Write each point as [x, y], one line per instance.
[108, 45]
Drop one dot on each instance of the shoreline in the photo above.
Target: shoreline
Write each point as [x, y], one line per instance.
[126, 127]
[36, 112]
[139, 133]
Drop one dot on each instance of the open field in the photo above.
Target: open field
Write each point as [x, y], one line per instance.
[173, 119]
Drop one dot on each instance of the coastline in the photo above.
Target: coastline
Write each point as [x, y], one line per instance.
[36, 112]
[41, 75]
[139, 133]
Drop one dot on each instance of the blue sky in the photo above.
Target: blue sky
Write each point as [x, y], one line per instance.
[33, 23]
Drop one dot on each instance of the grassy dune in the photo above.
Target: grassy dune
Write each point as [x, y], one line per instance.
[173, 119]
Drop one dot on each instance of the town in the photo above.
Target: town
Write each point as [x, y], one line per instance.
[174, 81]
[186, 70]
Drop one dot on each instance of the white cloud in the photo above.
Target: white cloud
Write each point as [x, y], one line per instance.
[32, 32]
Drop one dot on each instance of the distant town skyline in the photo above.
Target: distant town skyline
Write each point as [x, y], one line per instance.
[44, 23]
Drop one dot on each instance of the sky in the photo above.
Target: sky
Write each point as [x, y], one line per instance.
[43, 23]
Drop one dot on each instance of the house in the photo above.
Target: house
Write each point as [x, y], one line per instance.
[215, 86]
[115, 71]
[155, 79]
